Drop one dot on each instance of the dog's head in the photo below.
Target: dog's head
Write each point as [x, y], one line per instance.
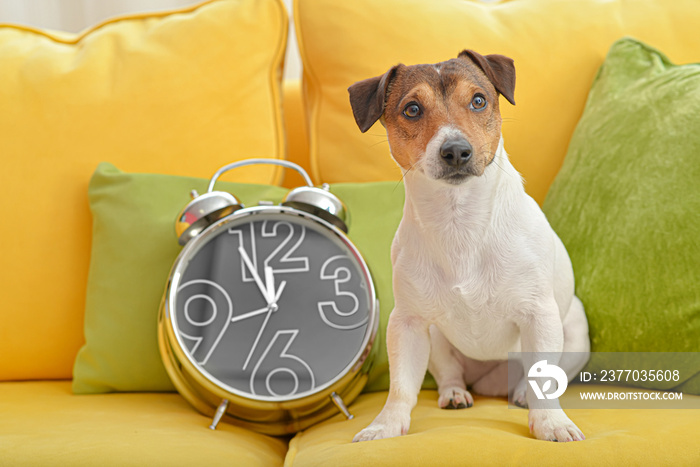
[443, 119]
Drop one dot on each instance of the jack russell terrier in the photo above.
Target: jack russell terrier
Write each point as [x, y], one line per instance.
[477, 270]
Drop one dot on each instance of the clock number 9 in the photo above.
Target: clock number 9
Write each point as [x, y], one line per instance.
[209, 305]
[285, 374]
[331, 313]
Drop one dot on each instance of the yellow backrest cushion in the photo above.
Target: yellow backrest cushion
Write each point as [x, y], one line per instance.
[295, 132]
[182, 92]
[557, 47]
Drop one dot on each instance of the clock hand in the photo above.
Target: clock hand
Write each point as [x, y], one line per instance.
[257, 338]
[260, 311]
[270, 284]
[250, 314]
[271, 308]
[254, 272]
[279, 291]
[267, 291]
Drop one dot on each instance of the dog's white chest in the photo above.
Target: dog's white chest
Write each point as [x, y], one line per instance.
[482, 339]
[464, 302]
[476, 322]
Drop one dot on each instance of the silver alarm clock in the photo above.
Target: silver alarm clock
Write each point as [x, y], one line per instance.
[270, 315]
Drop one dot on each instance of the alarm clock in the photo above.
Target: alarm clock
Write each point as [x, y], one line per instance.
[270, 315]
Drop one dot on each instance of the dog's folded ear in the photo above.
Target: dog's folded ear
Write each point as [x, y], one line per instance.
[499, 69]
[368, 97]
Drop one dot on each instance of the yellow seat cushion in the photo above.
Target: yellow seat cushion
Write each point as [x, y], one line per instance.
[490, 433]
[557, 47]
[43, 423]
[182, 92]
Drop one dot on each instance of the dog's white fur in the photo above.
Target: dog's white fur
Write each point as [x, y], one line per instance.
[478, 272]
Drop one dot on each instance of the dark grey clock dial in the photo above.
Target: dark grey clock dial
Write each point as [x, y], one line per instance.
[273, 305]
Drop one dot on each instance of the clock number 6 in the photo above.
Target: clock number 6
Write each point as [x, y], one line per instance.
[286, 374]
[330, 313]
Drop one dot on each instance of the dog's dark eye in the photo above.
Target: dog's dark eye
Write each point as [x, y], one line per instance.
[412, 110]
[478, 102]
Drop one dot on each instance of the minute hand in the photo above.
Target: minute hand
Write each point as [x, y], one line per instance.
[256, 276]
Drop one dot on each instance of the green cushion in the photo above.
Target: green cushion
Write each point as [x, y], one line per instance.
[134, 246]
[626, 205]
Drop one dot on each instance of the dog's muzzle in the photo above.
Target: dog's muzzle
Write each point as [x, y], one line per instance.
[456, 152]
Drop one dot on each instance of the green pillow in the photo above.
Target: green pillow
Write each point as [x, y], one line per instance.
[134, 246]
[626, 204]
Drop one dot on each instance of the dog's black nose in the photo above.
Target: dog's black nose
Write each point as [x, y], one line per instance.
[456, 152]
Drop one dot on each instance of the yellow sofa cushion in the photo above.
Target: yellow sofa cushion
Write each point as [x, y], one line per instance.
[557, 48]
[491, 433]
[181, 92]
[295, 132]
[42, 423]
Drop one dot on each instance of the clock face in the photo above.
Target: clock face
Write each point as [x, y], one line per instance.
[272, 305]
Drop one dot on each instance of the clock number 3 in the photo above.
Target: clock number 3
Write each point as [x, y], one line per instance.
[330, 311]
[286, 374]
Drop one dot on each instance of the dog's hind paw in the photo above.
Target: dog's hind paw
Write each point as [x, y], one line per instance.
[455, 398]
[520, 394]
[519, 399]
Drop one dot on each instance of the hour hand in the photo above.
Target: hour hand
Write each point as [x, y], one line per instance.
[270, 285]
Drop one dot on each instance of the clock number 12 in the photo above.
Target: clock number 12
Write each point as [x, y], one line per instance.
[281, 257]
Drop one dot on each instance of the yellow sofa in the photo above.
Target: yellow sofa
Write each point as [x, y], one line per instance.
[184, 92]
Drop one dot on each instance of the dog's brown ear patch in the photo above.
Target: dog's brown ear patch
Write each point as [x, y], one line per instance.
[368, 97]
[499, 69]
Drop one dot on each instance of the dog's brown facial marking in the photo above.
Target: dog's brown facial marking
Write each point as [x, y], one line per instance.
[442, 119]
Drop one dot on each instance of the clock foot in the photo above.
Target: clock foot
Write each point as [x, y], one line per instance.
[220, 411]
[338, 401]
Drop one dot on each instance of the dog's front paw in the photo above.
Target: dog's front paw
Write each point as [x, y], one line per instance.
[553, 425]
[376, 432]
[455, 398]
[384, 427]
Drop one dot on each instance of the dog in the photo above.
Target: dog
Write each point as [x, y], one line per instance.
[477, 270]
